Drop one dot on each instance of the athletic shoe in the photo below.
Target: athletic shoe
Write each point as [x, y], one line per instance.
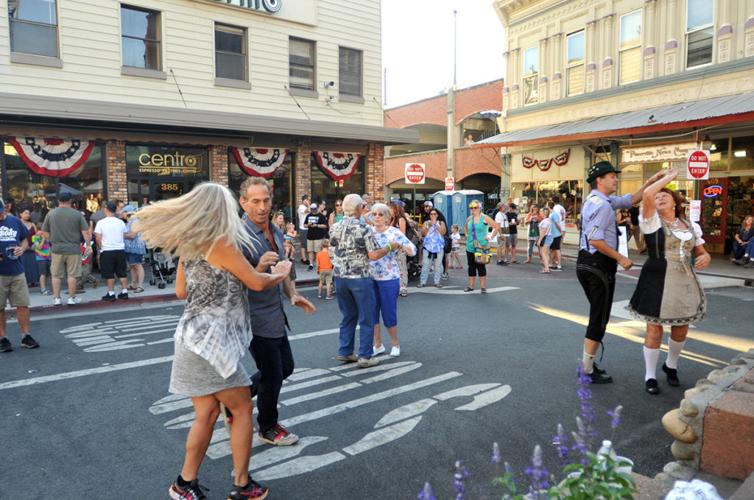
[395, 351]
[73, 300]
[651, 387]
[367, 362]
[29, 342]
[108, 297]
[190, 492]
[311, 267]
[600, 378]
[56, 301]
[672, 374]
[5, 345]
[123, 295]
[376, 351]
[252, 491]
[278, 436]
[351, 358]
[557, 268]
[45, 292]
[502, 263]
[438, 285]
[329, 297]
[445, 276]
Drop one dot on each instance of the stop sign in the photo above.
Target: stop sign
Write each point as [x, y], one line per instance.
[698, 165]
[415, 173]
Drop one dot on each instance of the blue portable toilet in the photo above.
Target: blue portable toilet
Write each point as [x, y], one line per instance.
[442, 201]
[460, 201]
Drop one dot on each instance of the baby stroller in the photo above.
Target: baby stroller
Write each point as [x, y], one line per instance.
[413, 267]
[162, 267]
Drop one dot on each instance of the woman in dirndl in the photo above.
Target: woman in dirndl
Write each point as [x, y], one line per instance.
[668, 292]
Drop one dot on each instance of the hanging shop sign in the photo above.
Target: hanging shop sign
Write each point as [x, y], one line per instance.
[544, 164]
[712, 191]
[698, 165]
[450, 184]
[415, 173]
[259, 162]
[651, 154]
[271, 6]
[166, 160]
[337, 165]
[52, 156]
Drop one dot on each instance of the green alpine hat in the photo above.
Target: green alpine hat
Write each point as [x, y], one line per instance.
[599, 169]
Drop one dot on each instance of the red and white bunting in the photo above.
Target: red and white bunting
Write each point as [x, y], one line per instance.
[52, 156]
[259, 162]
[544, 164]
[338, 166]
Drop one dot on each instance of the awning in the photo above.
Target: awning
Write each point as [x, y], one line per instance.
[105, 114]
[704, 113]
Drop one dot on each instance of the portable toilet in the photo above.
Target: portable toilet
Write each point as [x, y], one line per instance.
[442, 201]
[460, 201]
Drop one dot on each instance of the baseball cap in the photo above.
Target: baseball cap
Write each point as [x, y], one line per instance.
[128, 209]
[65, 196]
[399, 202]
[428, 204]
[599, 169]
[313, 206]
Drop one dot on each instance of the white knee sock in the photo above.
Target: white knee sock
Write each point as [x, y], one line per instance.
[674, 352]
[650, 362]
[587, 361]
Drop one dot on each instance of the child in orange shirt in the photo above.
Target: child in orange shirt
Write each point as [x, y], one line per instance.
[324, 269]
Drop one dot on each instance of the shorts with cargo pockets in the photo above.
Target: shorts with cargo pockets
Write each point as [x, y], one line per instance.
[63, 264]
[14, 289]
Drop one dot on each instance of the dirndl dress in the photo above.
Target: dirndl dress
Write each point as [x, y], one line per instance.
[669, 291]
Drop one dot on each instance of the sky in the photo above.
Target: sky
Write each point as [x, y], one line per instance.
[417, 46]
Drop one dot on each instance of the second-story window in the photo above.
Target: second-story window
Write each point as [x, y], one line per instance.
[140, 37]
[301, 63]
[33, 27]
[531, 75]
[699, 32]
[630, 48]
[349, 74]
[230, 52]
[575, 63]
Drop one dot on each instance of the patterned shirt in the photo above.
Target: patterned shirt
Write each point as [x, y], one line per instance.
[387, 268]
[350, 243]
[598, 219]
[42, 250]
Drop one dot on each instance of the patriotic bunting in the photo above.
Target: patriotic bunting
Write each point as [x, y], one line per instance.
[338, 166]
[51, 156]
[545, 164]
[259, 162]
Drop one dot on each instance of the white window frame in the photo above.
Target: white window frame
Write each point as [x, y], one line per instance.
[622, 49]
[314, 64]
[244, 45]
[695, 29]
[160, 39]
[361, 73]
[570, 66]
[530, 78]
[57, 35]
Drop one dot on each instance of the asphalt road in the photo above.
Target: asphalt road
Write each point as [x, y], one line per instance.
[89, 416]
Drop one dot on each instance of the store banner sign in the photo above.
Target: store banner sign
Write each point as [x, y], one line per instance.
[167, 161]
[259, 162]
[270, 6]
[544, 164]
[695, 210]
[339, 166]
[650, 154]
[52, 157]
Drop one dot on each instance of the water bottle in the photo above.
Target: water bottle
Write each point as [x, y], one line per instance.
[9, 253]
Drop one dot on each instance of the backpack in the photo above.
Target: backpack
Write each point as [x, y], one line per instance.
[412, 231]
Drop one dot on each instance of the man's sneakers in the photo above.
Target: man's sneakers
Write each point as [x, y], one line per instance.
[191, 491]
[109, 297]
[556, 268]
[376, 351]
[252, 491]
[123, 295]
[29, 342]
[73, 300]
[5, 345]
[56, 301]
[278, 436]
[600, 376]
[367, 362]
[351, 358]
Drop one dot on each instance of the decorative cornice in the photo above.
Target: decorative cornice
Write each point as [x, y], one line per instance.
[557, 76]
[725, 30]
[671, 44]
[514, 87]
[607, 62]
[749, 23]
[649, 51]
[543, 79]
[591, 67]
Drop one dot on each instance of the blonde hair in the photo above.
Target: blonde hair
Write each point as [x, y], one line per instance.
[190, 225]
[383, 209]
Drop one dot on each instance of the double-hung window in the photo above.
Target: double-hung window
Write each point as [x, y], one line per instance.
[349, 73]
[140, 38]
[301, 60]
[699, 32]
[531, 76]
[33, 27]
[629, 65]
[230, 53]
[575, 63]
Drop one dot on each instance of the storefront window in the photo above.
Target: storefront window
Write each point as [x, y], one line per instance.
[163, 172]
[281, 182]
[742, 155]
[28, 189]
[327, 190]
[570, 193]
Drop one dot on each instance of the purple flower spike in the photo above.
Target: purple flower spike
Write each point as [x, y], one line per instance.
[426, 493]
[615, 416]
[560, 441]
[508, 468]
[538, 475]
[460, 475]
[495, 458]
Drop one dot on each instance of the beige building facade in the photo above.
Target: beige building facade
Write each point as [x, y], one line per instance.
[639, 82]
[140, 100]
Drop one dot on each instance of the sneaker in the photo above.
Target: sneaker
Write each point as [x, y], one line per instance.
[651, 387]
[600, 377]
[419, 285]
[445, 276]
[556, 268]
[438, 285]
[29, 342]
[45, 292]
[56, 301]
[252, 491]
[502, 263]
[278, 436]
[329, 297]
[73, 300]
[672, 374]
[395, 351]
[123, 295]
[190, 492]
[367, 362]
[376, 351]
[5, 345]
[109, 297]
[351, 358]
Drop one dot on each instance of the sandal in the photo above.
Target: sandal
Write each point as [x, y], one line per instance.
[138, 289]
[468, 289]
[131, 288]
[404, 293]
[544, 272]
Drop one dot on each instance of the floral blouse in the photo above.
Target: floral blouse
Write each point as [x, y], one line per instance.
[387, 268]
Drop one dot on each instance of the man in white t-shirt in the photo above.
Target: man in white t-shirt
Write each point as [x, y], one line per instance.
[557, 207]
[502, 221]
[303, 212]
[109, 233]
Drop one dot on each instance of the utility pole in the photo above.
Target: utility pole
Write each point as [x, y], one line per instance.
[451, 136]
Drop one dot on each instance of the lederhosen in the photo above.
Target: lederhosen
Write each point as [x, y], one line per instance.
[596, 273]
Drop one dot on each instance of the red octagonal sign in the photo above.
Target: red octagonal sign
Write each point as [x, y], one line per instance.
[415, 173]
[698, 165]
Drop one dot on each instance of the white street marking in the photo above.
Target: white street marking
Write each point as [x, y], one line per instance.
[486, 399]
[163, 341]
[382, 436]
[280, 453]
[309, 373]
[298, 466]
[405, 412]
[444, 291]
[320, 394]
[309, 383]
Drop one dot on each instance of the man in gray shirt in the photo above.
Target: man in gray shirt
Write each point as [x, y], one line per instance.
[65, 227]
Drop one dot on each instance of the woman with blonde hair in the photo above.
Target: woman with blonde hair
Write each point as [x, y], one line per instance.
[204, 230]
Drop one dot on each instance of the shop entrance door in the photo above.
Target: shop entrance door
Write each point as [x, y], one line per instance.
[165, 188]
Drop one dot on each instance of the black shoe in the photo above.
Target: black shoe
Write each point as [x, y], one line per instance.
[252, 491]
[123, 295]
[29, 342]
[310, 268]
[651, 387]
[109, 298]
[598, 369]
[672, 374]
[600, 378]
[5, 345]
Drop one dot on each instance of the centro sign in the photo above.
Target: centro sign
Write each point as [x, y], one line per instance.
[168, 160]
[271, 6]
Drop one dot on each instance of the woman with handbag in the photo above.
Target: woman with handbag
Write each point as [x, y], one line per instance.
[433, 248]
[478, 245]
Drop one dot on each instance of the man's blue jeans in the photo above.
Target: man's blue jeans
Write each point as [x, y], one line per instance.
[356, 302]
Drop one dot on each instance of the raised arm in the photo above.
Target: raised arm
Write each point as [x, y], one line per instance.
[227, 257]
[648, 203]
[640, 194]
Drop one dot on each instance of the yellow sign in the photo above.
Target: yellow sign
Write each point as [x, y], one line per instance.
[170, 164]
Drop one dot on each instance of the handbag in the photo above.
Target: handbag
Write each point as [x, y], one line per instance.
[481, 255]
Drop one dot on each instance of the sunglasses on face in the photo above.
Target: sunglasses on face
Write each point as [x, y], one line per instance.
[474, 207]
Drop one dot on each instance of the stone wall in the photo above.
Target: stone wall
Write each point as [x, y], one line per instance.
[375, 171]
[117, 182]
[303, 173]
[218, 164]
